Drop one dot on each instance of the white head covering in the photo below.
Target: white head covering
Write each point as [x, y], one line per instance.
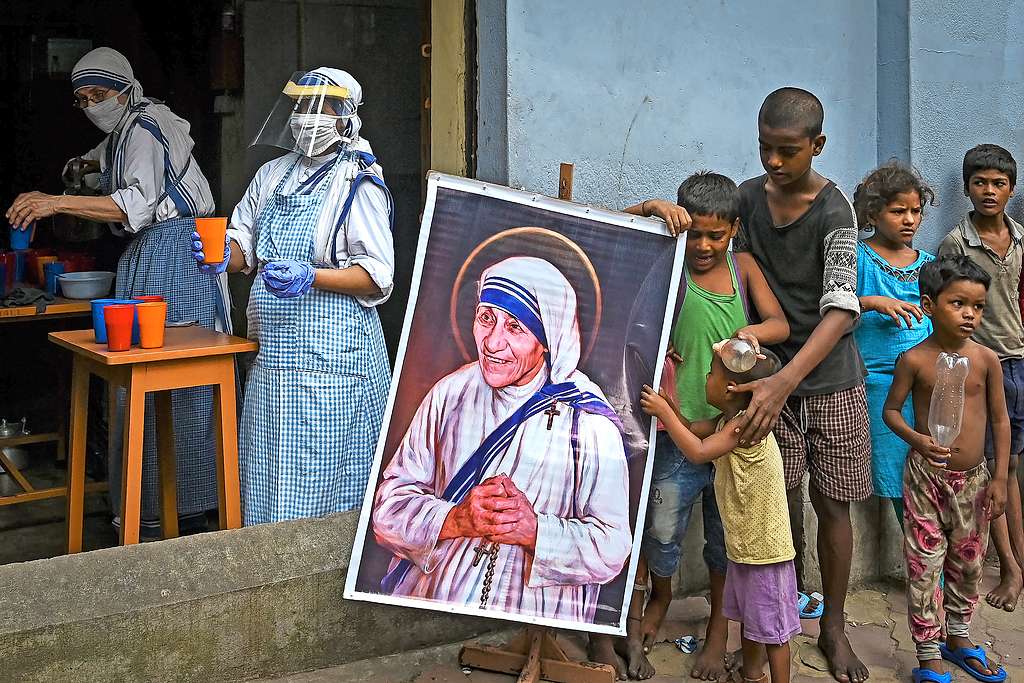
[108, 68]
[535, 292]
[345, 80]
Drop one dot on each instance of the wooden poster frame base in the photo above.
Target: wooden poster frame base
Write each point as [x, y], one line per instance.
[534, 654]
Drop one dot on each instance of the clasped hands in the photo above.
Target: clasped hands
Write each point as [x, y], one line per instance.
[495, 510]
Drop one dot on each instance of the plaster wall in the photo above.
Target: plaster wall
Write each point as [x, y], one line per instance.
[640, 95]
[966, 80]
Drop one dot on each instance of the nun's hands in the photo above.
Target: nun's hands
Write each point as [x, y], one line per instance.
[517, 525]
[288, 279]
[31, 206]
[475, 516]
[200, 256]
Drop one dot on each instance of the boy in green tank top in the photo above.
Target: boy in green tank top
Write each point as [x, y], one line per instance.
[717, 290]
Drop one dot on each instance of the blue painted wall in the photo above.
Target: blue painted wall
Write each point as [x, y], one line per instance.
[641, 94]
[966, 87]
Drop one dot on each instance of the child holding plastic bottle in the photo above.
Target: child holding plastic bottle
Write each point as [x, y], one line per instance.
[949, 497]
[750, 487]
[890, 201]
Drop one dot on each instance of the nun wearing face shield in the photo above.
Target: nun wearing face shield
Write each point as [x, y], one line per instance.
[152, 190]
[315, 224]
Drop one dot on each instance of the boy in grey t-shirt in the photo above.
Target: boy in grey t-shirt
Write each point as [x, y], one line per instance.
[803, 233]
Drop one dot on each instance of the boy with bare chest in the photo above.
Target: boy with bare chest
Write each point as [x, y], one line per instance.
[949, 497]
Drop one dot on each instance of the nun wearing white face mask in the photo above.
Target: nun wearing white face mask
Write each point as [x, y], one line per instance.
[152, 191]
[316, 225]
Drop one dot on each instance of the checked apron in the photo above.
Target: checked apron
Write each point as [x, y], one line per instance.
[158, 260]
[315, 395]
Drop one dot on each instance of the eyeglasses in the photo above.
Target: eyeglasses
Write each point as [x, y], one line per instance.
[87, 100]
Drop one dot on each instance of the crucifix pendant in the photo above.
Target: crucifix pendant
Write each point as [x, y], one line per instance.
[551, 412]
[482, 550]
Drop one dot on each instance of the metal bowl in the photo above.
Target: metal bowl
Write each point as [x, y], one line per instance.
[89, 285]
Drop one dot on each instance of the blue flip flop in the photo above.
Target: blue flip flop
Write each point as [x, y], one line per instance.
[923, 675]
[804, 599]
[960, 657]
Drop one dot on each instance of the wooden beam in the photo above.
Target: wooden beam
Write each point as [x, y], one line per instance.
[43, 494]
[448, 134]
[497, 659]
[565, 181]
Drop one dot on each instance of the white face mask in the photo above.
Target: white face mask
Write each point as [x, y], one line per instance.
[314, 133]
[107, 114]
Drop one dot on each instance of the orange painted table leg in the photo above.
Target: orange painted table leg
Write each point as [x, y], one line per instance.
[76, 454]
[131, 478]
[227, 446]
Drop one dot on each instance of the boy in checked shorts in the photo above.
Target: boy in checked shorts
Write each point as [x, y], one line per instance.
[802, 231]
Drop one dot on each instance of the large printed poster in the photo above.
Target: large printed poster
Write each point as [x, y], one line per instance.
[511, 472]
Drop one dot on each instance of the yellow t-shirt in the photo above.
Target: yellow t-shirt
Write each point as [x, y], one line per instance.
[751, 491]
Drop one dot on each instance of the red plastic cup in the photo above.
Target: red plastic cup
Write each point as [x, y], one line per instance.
[118, 319]
[212, 232]
[149, 298]
[152, 319]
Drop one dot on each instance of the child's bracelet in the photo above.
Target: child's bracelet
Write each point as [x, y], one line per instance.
[643, 209]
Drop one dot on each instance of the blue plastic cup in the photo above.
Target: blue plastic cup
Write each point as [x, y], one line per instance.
[21, 239]
[52, 270]
[19, 266]
[99, 324]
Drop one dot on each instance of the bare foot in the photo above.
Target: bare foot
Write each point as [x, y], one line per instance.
[601, 649]
[1005, 595]
[713, 662]
[632, 649]
[842, 660]
[654, 614]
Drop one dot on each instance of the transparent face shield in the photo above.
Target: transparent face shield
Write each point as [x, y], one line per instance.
[309, 117]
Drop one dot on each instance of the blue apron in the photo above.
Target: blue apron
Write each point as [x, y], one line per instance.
[158, 260]
[315, 395]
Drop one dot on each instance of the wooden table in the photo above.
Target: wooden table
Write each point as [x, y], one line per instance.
[58, 308]
[191, 356]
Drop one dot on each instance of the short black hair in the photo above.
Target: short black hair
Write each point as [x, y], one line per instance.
[939, 274]
[885, 182]
[793, 108]
[710, 194]
[989, 156]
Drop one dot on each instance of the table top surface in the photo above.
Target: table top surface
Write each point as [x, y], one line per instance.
[58, 307]
[179, 343]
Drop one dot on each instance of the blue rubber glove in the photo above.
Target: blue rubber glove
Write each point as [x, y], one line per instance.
[288, 279]
[199, 256]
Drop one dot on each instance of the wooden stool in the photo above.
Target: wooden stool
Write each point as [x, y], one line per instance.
[190, 357]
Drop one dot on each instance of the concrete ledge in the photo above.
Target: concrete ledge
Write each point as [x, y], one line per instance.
[265, 601]
[224, 606]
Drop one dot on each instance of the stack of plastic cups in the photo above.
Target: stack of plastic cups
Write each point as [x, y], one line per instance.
[99, 307]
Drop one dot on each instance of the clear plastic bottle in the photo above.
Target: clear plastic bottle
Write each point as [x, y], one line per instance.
[738, 355]
[946, 410]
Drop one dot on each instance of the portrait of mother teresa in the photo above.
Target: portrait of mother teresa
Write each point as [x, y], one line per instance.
[509, 491]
